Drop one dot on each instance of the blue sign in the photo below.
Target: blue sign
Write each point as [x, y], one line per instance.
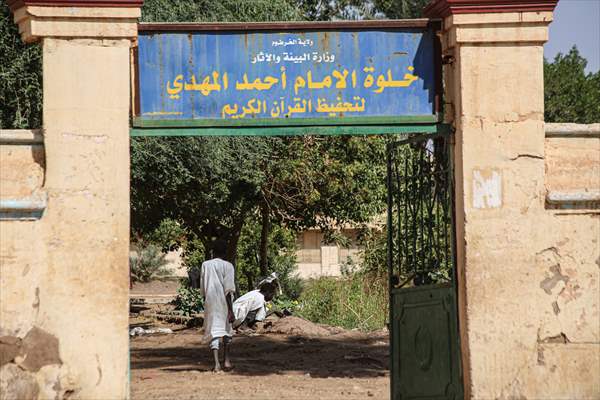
[285, 75]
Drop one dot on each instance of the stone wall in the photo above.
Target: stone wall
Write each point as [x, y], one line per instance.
[64, 211]
[565, 305]
[316, 258]
[528, 266]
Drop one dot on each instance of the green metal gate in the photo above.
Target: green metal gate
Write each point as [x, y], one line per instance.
[424, 344]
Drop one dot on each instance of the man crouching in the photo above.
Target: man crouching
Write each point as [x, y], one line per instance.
[251, 307]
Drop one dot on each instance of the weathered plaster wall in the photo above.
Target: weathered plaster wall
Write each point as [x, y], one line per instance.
[70, 277]
[572, 165]
[529, 276]
[23, 163]
[64, 275]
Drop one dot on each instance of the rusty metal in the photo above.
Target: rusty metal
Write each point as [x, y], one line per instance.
[283, 26]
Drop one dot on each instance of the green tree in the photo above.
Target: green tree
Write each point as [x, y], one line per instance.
[398, 9]
[221, 10]
[213, 186]
[571, 95]
[321, 181]
[318, 10]
[210, 185]
[20, 77]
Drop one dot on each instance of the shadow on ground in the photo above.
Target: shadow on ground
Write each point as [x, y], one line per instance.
[351, 355]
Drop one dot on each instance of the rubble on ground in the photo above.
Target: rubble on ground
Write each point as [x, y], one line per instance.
[293, 326]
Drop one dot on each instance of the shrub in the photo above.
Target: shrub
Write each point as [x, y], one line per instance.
[169, 235]
[355, 301]
[20, 77]
[281, 256]
[193, 254]
[147, 263]
[188, 300]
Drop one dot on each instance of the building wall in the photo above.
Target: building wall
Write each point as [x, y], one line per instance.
[528, 272]
[64, 275]
[316, 259]
[64, 208]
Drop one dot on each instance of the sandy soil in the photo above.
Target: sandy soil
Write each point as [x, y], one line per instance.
[166, 287]
[332, 365]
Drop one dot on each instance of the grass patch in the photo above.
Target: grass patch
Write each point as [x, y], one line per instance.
[354, 301]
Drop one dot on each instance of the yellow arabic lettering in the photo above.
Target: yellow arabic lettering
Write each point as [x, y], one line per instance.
[325, 83]
[369, 79]
[341, 77]
[277, 108]
[173, 92]
[383, 83]
[228, 110]
[283, 78]
[205, 87]
[299, 107]
[300, 82]
[258, 84]
[340, 106]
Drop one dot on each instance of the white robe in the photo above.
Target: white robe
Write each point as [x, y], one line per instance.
[217, 280]
[251, 301]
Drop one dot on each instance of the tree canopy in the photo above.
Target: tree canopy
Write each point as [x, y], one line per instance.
[20, 77]
[318, 10]
[571, 95]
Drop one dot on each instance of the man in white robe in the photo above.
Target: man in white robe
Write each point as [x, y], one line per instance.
[217, 286]
[251, 307]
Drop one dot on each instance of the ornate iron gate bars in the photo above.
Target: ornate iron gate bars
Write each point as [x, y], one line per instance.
[425, 356]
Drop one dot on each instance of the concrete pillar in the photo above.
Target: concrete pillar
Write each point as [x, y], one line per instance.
[65, 275]
[514, 344]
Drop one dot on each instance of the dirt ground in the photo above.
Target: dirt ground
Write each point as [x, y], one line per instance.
[325, 363]
[164, 287]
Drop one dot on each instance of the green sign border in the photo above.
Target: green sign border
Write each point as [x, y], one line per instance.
[391, 125]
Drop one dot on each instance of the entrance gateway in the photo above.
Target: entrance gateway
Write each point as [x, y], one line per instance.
[335, 78]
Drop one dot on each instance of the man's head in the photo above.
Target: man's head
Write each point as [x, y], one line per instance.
[220, 249]
[268, 290]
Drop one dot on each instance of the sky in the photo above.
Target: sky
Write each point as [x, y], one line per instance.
[576, 22]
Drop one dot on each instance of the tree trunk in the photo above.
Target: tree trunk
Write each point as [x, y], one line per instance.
[232, 244]
[250, 280]
[264, 240]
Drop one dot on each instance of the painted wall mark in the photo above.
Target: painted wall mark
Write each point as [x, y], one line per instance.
[487, 189]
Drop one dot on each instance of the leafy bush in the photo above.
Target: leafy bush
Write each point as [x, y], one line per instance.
[355, 301]
[281, 256]
[188, 300]
[169, 235]
[193, 254]
[147, 263]
[20, 77]
[374, 251]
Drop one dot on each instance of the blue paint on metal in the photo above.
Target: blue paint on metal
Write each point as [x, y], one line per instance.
[385, 73]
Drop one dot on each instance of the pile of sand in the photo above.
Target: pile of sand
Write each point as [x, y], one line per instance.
[296, 327]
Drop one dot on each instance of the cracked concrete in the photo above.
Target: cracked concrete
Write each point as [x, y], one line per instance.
[525, 155]
[550, 283]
